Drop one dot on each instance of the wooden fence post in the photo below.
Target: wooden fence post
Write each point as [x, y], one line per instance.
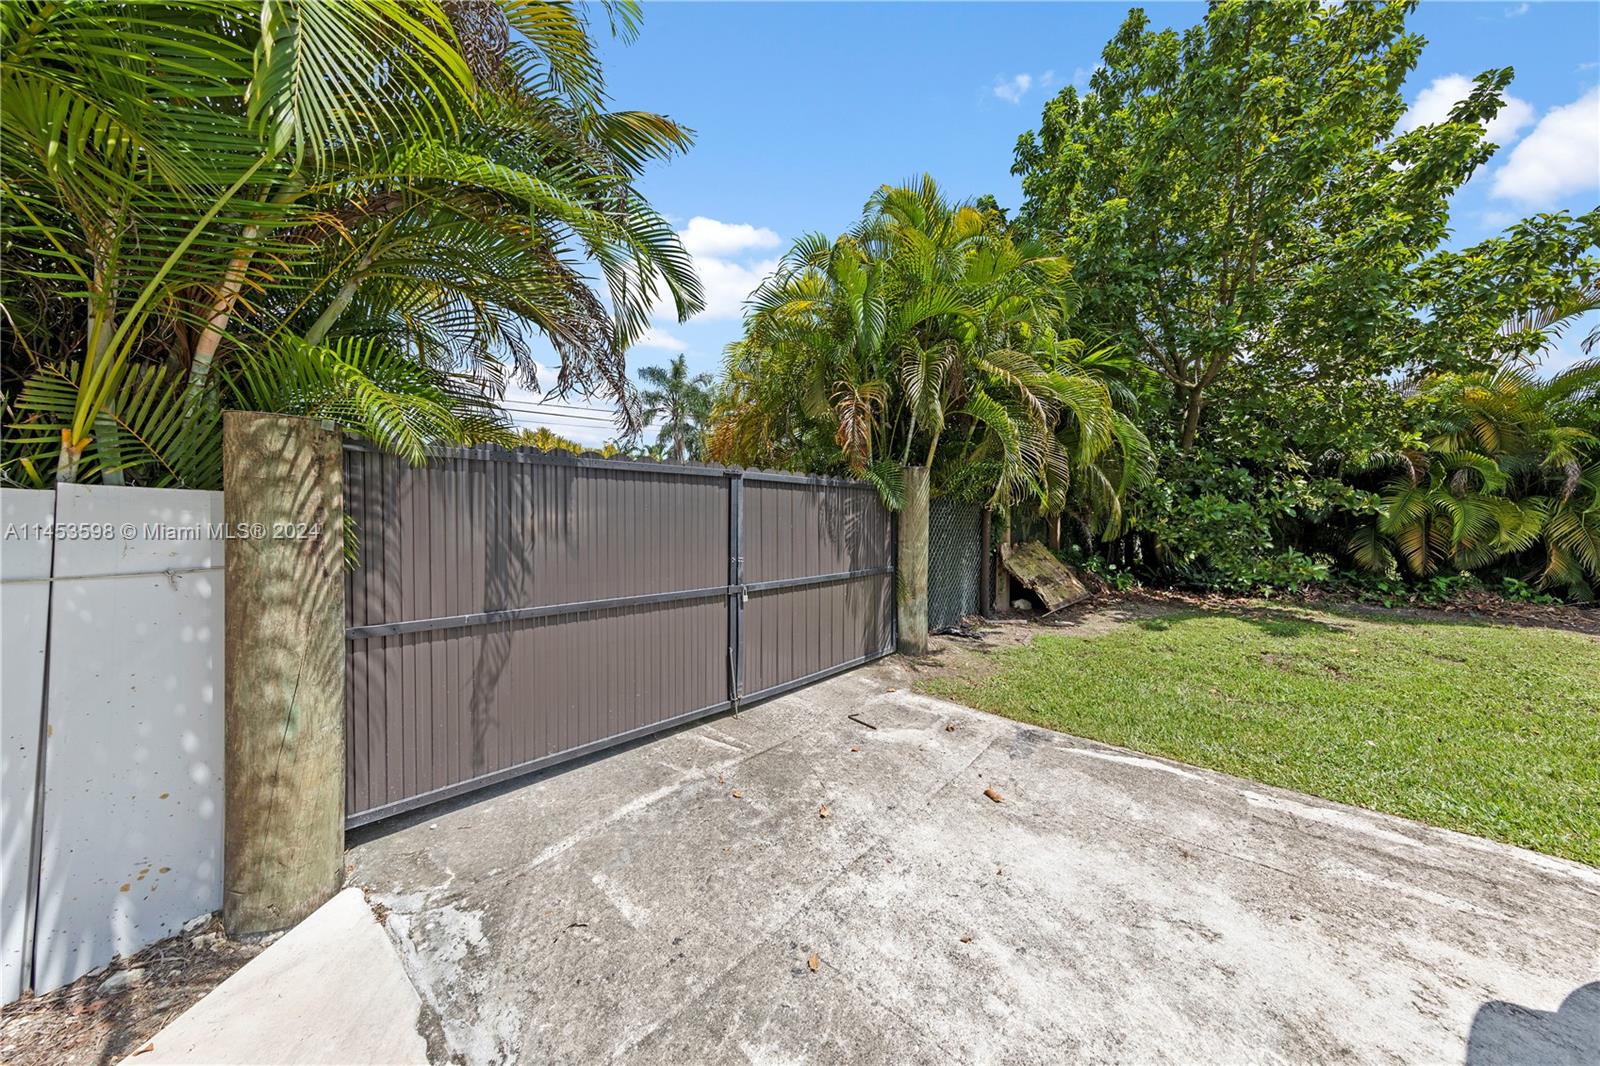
[911, 588]
[283, 848]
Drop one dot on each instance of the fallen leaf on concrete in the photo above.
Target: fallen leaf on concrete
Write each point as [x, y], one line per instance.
[738, 795]
[813, 962]
[966, 940]
[855, 749]
[823, 812]
[951, 728]
[147, 1048]
[992, 794]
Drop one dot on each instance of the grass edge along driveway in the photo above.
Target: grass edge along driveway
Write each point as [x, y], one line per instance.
[1487, 729]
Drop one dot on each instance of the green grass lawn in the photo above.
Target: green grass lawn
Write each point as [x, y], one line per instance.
[1488, 729]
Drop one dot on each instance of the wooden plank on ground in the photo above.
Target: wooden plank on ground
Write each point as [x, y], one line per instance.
[1043, 574]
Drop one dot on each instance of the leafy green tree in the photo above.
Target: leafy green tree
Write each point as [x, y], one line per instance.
[1233, 196]
[1508, 297]
[680, 402]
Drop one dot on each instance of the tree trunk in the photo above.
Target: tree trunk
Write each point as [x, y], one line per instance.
[911, 585]
[1191, 418]
[283, 846]
[205, 349]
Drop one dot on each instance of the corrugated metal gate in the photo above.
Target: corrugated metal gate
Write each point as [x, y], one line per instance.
[514, 609]
[955, 531]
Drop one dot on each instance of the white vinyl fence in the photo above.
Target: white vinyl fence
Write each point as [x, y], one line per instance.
[127, 702]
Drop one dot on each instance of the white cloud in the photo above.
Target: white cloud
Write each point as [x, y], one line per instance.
[727, 260]
[1560, 156]
[1517, 10]
[707, 236]
[1013, 89]
[1433, 106]
[657, 338]
[727, 283]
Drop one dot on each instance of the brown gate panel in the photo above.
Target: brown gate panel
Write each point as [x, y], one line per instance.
[796, 636]
[513, 609]
[818, 556]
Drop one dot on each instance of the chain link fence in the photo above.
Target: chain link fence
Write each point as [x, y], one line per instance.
[954, 544]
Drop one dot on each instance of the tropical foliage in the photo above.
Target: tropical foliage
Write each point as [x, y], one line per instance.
[680, 403]
[1496, 472]
[927, 335]
[364, 210]
[547, 440]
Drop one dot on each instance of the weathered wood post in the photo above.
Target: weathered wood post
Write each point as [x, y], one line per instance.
[283, 845]
[911, 588]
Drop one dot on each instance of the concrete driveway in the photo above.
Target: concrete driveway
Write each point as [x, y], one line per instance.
[685, 901]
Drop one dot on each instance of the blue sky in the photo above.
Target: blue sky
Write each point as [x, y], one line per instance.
[802, 109]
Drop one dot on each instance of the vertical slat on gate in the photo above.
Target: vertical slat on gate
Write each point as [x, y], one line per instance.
[393, 697]
[737, 597]
[377, 693]
[450, 566]
[438, 651]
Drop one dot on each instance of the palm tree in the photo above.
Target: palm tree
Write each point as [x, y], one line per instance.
[547, 440]
[1500, 469]
[680, 402]
[195, 189]
[926, 334]
[1546, 323]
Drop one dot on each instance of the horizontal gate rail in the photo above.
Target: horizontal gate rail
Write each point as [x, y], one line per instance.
[493, 454]
[786, 478]
[518, 614]
[533, 456]
[815, 579]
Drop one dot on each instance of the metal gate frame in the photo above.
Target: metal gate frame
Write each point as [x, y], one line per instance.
[736, 593]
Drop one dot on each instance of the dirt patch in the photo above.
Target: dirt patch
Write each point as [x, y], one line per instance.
[973, 656]
[1481, 607]
[114, 1011]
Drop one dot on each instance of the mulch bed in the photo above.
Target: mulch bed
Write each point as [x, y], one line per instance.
[1474, 606]
[114, 1011]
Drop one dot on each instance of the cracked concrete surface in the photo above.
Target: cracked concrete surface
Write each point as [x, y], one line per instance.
[1112, 907]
